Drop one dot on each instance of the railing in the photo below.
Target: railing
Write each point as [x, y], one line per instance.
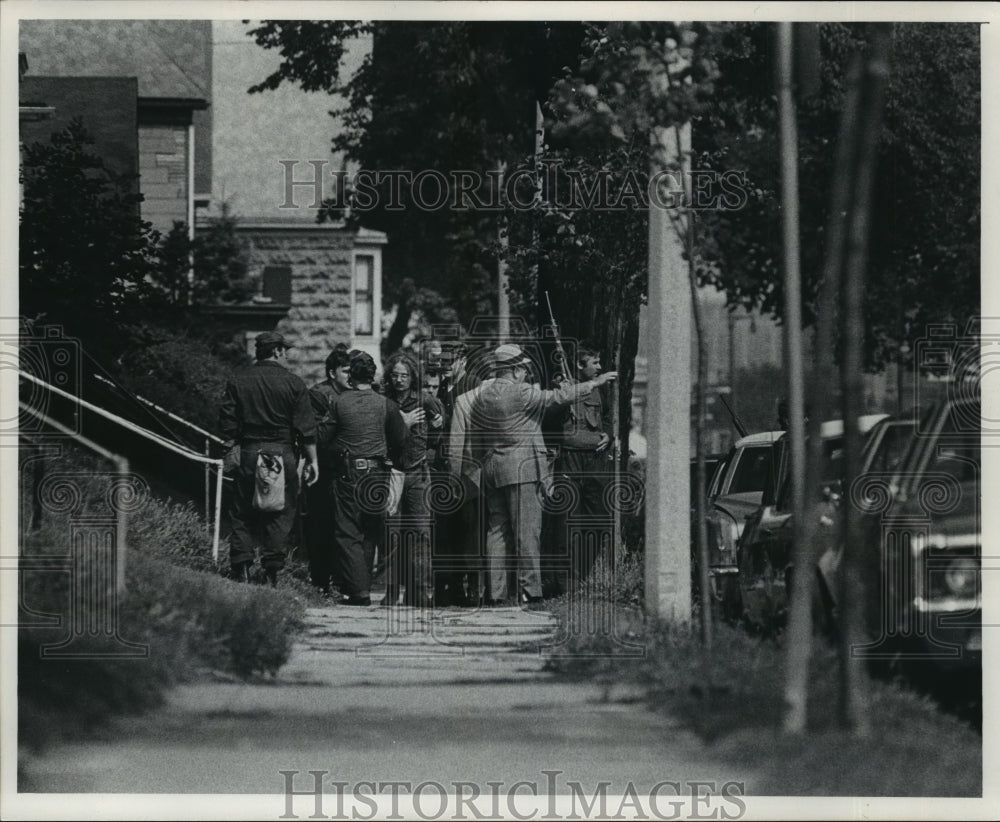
[121, 464]
[208, 436]
[206, 460]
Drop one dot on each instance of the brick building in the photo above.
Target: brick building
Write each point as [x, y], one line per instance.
[167, 99]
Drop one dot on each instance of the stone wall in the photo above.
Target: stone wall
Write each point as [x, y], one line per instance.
[163, 170]
[321, 261]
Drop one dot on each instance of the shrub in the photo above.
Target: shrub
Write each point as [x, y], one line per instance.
[732, 697]
[175, 532]
[179, 370]
[190, 621]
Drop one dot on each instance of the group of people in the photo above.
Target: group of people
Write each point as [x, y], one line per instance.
[439, 475]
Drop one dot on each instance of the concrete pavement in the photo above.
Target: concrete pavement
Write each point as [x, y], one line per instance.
[383, 695]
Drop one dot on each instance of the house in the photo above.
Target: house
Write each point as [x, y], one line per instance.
[167, 99]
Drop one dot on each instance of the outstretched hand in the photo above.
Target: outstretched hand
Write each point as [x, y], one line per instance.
[607, 376]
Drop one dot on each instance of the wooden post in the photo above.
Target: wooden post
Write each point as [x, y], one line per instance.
[668, 541]
[795, 718]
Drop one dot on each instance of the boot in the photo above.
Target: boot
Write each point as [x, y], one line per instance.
[272, 576]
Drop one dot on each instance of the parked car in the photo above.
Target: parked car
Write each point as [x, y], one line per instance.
[736, 489]
[926, 544]
[885, 447]
[764, 555]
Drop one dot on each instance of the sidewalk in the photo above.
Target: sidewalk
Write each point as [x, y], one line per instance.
[388, 694]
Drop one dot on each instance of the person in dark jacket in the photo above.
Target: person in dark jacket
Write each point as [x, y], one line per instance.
[365, 432]
[264, 411]
[322, 568]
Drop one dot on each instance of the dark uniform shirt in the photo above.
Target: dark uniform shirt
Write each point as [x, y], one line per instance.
[322, 396]
[584, 422]
[367, 425]
[264, 402]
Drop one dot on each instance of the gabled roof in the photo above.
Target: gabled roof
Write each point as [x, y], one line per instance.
[170, 58]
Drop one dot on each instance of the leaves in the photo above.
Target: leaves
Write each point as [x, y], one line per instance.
[85, 252]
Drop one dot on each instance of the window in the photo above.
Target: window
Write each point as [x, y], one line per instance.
[364, 295]
[752, 470]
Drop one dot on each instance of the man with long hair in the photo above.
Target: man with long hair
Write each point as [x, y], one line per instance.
[409, 555]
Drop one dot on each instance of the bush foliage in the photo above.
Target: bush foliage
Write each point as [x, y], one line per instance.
[189, 618]
[731, 696]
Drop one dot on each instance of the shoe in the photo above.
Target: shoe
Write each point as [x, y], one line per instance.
[362, 601]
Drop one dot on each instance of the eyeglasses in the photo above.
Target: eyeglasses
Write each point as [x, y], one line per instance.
[399, 375]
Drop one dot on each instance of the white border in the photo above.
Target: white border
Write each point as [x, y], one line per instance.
[157, 806]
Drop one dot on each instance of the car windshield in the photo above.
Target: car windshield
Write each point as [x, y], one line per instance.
[957, 449]
[889, 451]
[752, 470]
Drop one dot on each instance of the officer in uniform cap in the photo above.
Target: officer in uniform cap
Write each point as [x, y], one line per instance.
[265, 410]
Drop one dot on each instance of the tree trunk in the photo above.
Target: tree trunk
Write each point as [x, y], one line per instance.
[397, 331]
[854, 699]
[800, 615]
[698, 492]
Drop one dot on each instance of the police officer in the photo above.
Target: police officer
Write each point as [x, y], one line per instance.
[322, 568]
[265, 409]
[365, 432]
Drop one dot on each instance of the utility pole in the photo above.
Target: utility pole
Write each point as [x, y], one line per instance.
[668, 537]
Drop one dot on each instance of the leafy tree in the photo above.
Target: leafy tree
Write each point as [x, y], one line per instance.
[89, 263]
[924, 255]
[210, 269]
[435, 96]
[86, 254]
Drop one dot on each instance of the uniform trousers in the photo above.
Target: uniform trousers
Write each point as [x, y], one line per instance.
[323, 568]
[358, 500]
[270, 530]
[579, 536]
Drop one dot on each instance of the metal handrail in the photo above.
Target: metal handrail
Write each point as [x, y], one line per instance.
[138, 429]
[121, 464]
[207, 434]
[131, 426]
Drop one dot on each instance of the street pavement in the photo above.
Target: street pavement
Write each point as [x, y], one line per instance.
[390, 695]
